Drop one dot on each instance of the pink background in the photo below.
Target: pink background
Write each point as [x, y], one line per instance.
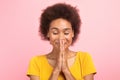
[19, 40]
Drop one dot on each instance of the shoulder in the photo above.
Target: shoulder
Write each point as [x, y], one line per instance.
[86, 63]
[83, 54]
[37, 58]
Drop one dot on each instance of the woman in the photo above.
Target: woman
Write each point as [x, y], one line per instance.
[60, 24]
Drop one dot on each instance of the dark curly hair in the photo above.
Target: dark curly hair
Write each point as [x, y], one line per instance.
[60, 10]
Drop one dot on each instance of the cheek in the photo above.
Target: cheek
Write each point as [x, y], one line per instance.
[69, 38]
[53, 39]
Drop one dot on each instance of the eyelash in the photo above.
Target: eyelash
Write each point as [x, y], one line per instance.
[66, 33]
[57, 33]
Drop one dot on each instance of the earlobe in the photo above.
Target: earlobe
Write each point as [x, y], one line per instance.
[48, 35]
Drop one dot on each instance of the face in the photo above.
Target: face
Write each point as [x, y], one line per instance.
[60, 29]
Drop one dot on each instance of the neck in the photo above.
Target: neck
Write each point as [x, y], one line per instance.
[54, 53]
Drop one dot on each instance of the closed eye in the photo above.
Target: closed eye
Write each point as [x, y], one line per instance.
[55, 33]
[66, 33]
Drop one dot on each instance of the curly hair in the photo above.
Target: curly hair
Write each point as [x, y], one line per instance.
[60, 10]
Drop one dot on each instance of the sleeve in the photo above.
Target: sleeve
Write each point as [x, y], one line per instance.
[33, 67]
[88, 66]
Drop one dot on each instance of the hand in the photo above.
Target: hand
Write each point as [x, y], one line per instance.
[61, 63]
[63, 56]
[60, 50]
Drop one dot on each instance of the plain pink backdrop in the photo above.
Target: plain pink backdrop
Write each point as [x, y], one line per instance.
[19, 40]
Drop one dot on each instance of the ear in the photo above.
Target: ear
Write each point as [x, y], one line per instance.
[48, 35]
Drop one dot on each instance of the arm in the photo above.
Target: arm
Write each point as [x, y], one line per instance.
[54, 75]
[66, 72]
[89, 69]
[34, 77]
[89, 77]
[68, 75]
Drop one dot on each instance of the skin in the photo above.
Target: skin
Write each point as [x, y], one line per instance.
[61, 58]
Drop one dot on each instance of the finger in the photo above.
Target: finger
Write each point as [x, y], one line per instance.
[62, 45]
[59, 61]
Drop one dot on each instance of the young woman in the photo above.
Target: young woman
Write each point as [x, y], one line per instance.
[60, 25]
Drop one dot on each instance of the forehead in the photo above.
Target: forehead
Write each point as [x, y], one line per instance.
[60, 24]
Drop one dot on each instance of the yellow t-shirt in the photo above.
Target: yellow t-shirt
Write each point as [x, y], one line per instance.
[83, 65]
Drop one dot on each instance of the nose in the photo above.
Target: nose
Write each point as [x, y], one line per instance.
[61, 36]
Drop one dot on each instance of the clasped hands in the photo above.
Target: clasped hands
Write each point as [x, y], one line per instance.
[61, 62]
[61, 65]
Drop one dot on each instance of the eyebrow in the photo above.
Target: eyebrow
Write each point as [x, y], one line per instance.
[63, 29]
[53, 28]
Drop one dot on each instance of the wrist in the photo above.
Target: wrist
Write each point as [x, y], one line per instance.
[54, 75]
[66, 71]
[56, 71]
